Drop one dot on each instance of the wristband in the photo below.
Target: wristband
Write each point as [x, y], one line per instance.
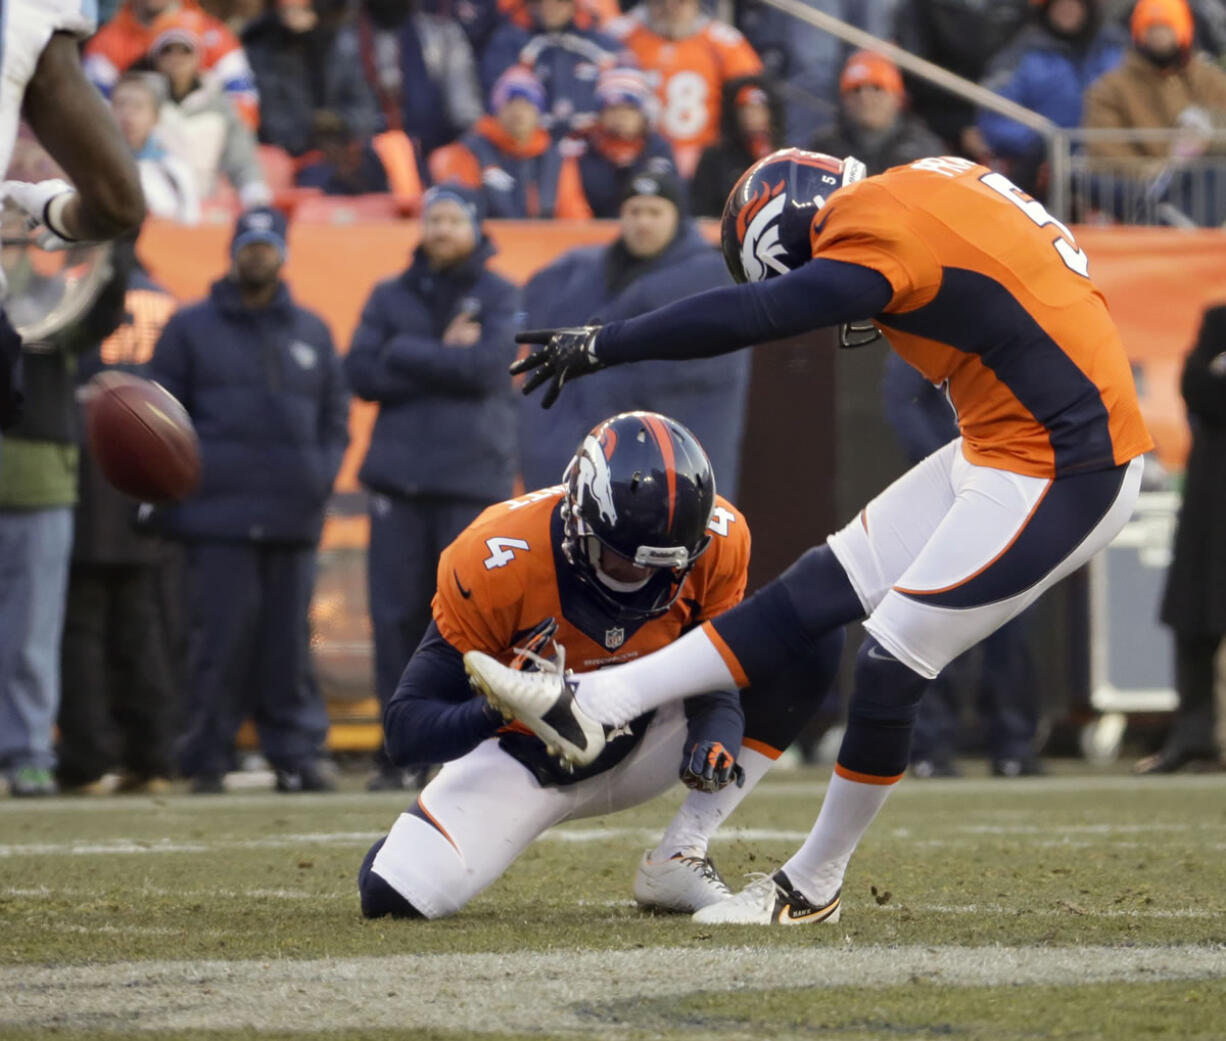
[53, 213]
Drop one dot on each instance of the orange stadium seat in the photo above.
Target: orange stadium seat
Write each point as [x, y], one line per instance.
[347, 209]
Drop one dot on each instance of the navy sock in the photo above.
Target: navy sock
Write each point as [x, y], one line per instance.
[780, 623]
[378, 898]
[881, 716]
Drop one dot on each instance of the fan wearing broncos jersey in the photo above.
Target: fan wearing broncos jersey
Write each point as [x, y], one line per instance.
[978, 287]
[632, 550]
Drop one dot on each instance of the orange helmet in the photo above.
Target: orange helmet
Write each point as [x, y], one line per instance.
[1173, 13]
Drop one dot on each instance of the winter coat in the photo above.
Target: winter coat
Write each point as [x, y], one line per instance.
[1139, 95]
[446, 423]
[1195, 600]
[204, 130]
[567, 63]
[424, 75]
[706, 395]
[265, 391]
[907, 140]
[300, 73]
[721, 165]
[517, 180]
[1048, 75]
[606, 164]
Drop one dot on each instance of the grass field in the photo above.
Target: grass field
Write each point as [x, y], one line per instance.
[1079, 905]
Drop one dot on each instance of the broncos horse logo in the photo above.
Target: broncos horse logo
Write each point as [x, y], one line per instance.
[595, 481]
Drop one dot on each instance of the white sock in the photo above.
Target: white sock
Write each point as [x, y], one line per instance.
[688, 666]
[817, 868]
[703, 812]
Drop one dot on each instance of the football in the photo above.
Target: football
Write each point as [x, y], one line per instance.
[142, 438]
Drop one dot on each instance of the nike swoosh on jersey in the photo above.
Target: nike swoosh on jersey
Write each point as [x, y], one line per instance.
[465, 593]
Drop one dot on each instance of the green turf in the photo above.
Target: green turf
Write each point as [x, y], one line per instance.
[1011, 863]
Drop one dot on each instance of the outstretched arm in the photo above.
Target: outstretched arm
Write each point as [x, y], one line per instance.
[70, 120]
[818, 294]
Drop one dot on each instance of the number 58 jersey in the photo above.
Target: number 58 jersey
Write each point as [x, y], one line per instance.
[506, 573]
[992, 297]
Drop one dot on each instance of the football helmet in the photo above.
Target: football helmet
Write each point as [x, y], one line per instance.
[641, 486]
[765, 230]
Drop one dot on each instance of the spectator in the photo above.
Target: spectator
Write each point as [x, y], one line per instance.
[1002, 674]
[804, 60]
[873, 124]
[119, 698]
[623, 142]
[421, 68]
[263, 385]
[126, 39]
[564, 50]
[305, 67]
[511, 159]
[1194, 603]
[962, 36]
[1047, 69]
[432, 349]
[658, 257]
[689, 57]
[197, 121]
[38, 486]
[752, 127]
[168, 182]
[342, 163]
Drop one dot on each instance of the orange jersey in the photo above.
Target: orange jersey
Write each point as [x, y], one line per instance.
[689, 76]
[992, 297]
[506, 573]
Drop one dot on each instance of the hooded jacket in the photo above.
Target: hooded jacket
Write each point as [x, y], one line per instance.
[446, 423]
[265, 391]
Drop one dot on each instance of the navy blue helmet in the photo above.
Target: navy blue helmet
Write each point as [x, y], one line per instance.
[768, 219]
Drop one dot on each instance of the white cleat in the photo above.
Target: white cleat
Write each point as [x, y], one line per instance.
[543, 701]
[685, 882]
[769, 900]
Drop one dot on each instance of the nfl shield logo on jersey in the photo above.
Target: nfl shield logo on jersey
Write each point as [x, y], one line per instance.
[614, 638]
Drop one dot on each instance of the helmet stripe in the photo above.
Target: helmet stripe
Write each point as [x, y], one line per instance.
[664, 439]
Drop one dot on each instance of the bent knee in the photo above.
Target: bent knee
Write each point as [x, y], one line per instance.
[378, 898]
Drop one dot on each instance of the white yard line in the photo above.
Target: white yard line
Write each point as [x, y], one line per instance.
[557, 991]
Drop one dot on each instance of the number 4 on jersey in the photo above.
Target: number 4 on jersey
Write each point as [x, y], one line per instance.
[502, 551]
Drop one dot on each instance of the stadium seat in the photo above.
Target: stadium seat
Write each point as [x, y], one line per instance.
[278, 166]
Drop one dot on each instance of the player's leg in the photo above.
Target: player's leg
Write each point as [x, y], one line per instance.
[467, 826]
[775, 713]
[1005, 540]
[748, 644]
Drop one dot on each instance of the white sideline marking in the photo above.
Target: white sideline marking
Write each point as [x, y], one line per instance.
[562, 991]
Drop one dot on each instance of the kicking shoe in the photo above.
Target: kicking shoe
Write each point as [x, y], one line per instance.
[685, 882]
[32, 782]
[542, 701]
[769, 900]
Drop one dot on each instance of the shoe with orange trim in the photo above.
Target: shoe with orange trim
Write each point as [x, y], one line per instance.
[769, 900]
[543, 701]
[685, 882]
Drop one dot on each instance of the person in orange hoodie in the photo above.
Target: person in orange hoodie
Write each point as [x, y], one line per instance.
[509, 157]
[127, 38]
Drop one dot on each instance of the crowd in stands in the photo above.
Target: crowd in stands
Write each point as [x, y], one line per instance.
[546, 107]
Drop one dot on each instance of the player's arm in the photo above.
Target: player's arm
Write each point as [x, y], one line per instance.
[716, 725]
[434, 717]
[74, 125]
[818, 294]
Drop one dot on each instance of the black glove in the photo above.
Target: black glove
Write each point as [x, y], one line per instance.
[710, 767]
[562, 354]
[10, 374]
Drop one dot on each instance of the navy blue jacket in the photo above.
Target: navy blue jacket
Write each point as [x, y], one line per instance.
[708, 396]
[446, 422]
[265, 391]
[604, 178]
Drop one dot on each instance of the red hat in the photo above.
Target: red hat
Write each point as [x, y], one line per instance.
[869, 69]
[1173, 13]
[751, 94]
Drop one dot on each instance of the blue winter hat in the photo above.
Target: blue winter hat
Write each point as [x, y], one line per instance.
[259, 224]
[469, 201]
